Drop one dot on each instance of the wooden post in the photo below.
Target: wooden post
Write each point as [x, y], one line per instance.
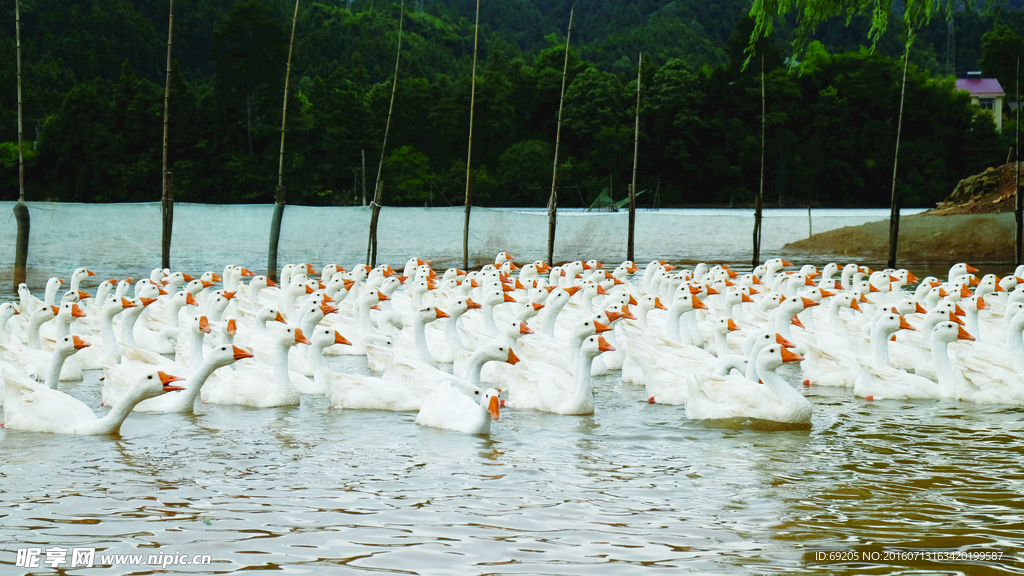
[469, 153]
[279, 191]
[553, 200]
[636, 157]
[894, 205]
[759, 204]
[20, 209]
[1018, 215]
[166, 197]
[371, 248]
[810, 226]
[364, 176]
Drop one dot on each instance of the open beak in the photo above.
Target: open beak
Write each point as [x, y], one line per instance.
[241, 354]
[166, 379]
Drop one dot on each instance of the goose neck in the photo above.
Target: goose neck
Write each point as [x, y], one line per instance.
[420, 332]
[56, 363]
[880, 346]
[111, 423]
[451, 331]
[948, 381]
[782, 390]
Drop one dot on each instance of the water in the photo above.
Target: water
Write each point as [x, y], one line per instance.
[634, 489]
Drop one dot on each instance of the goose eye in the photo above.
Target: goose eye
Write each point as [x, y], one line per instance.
[150, 377]
[476, 392]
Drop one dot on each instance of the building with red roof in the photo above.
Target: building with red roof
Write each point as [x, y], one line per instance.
[986, 93]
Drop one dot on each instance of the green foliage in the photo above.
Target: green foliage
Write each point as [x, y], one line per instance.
[94, 74]
[1001, 51]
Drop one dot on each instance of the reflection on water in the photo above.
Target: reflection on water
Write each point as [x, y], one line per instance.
[635, 488]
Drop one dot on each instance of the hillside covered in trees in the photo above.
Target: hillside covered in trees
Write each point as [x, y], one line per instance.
[93, 94]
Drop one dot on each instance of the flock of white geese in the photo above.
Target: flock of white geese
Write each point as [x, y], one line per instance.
[461, 347]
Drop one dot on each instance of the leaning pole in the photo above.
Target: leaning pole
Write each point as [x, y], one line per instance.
[279, 192]
[20, 209]
[553, 200]
[469, 154]
[167, 194]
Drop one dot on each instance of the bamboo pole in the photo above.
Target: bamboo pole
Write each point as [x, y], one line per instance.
[636, 157]
[371, 248]
[167, 194]
[279, 192]
[553, 200]
[894, 205]
[1018, 204]
[469, 153]
[364, 175]
[20, 209]
[759, 205]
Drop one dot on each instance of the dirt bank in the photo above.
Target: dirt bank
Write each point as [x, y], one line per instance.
[926, 237]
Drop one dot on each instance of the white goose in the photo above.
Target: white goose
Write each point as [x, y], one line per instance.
[44, 410]
[254, 383]
[184, 400]
[727, 397]
[555, 393]
[448, 408]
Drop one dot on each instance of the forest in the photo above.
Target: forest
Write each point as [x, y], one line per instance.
[93, 74]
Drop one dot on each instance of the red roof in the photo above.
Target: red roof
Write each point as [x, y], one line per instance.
[980, 86]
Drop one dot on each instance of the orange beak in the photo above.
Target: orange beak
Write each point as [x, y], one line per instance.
[632, 301]
[572, 290]
[613, 316]
[438, 313]
[509, 298]
[166, 379]
[299, 338]
[955, 318]
[712, 291]
[246, 272]
[240, 354]
[919, 309]
[147, 301]
[512, 358]
[796, 322]
[756, 281]
[784, 263]
[524, 329]
[971, 269]
[229, 295]
[959, 310]
[232, 327]
[82, 295]
[732, 326]
[309, 290]
[627, 314]
[280, 318]
[492, 407]
[89, 273]
[603, 345]
[186, 277]
[470, 305]
[808, 281]
[204, 325]
[382, 297]
[55, 309]
[216, 278]
[537, 307]
[855, 306]
[697, 304]
[339, 339]
[871, 288]
[76, 312]
[206, 284]
[904, 325]
[911, 278]
[271, 283]
[783, 342]
[126, 303]
[981, 303]
[745, 298]
[79, 343]
[658, 305]
[964, 292]
[962, 334]
[788, 356]
[327, 309]
[190, 300]
[601, 290]
[808, 303]
[826, 293]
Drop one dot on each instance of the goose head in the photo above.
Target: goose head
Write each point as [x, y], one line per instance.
[772, 356]
[946, 332]
[724, 325]
[594, 345]
[960, 269]
[291, 336]
[489, 401]
[501, 258]
[323, 337]
[154, 383]
[889, 323]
